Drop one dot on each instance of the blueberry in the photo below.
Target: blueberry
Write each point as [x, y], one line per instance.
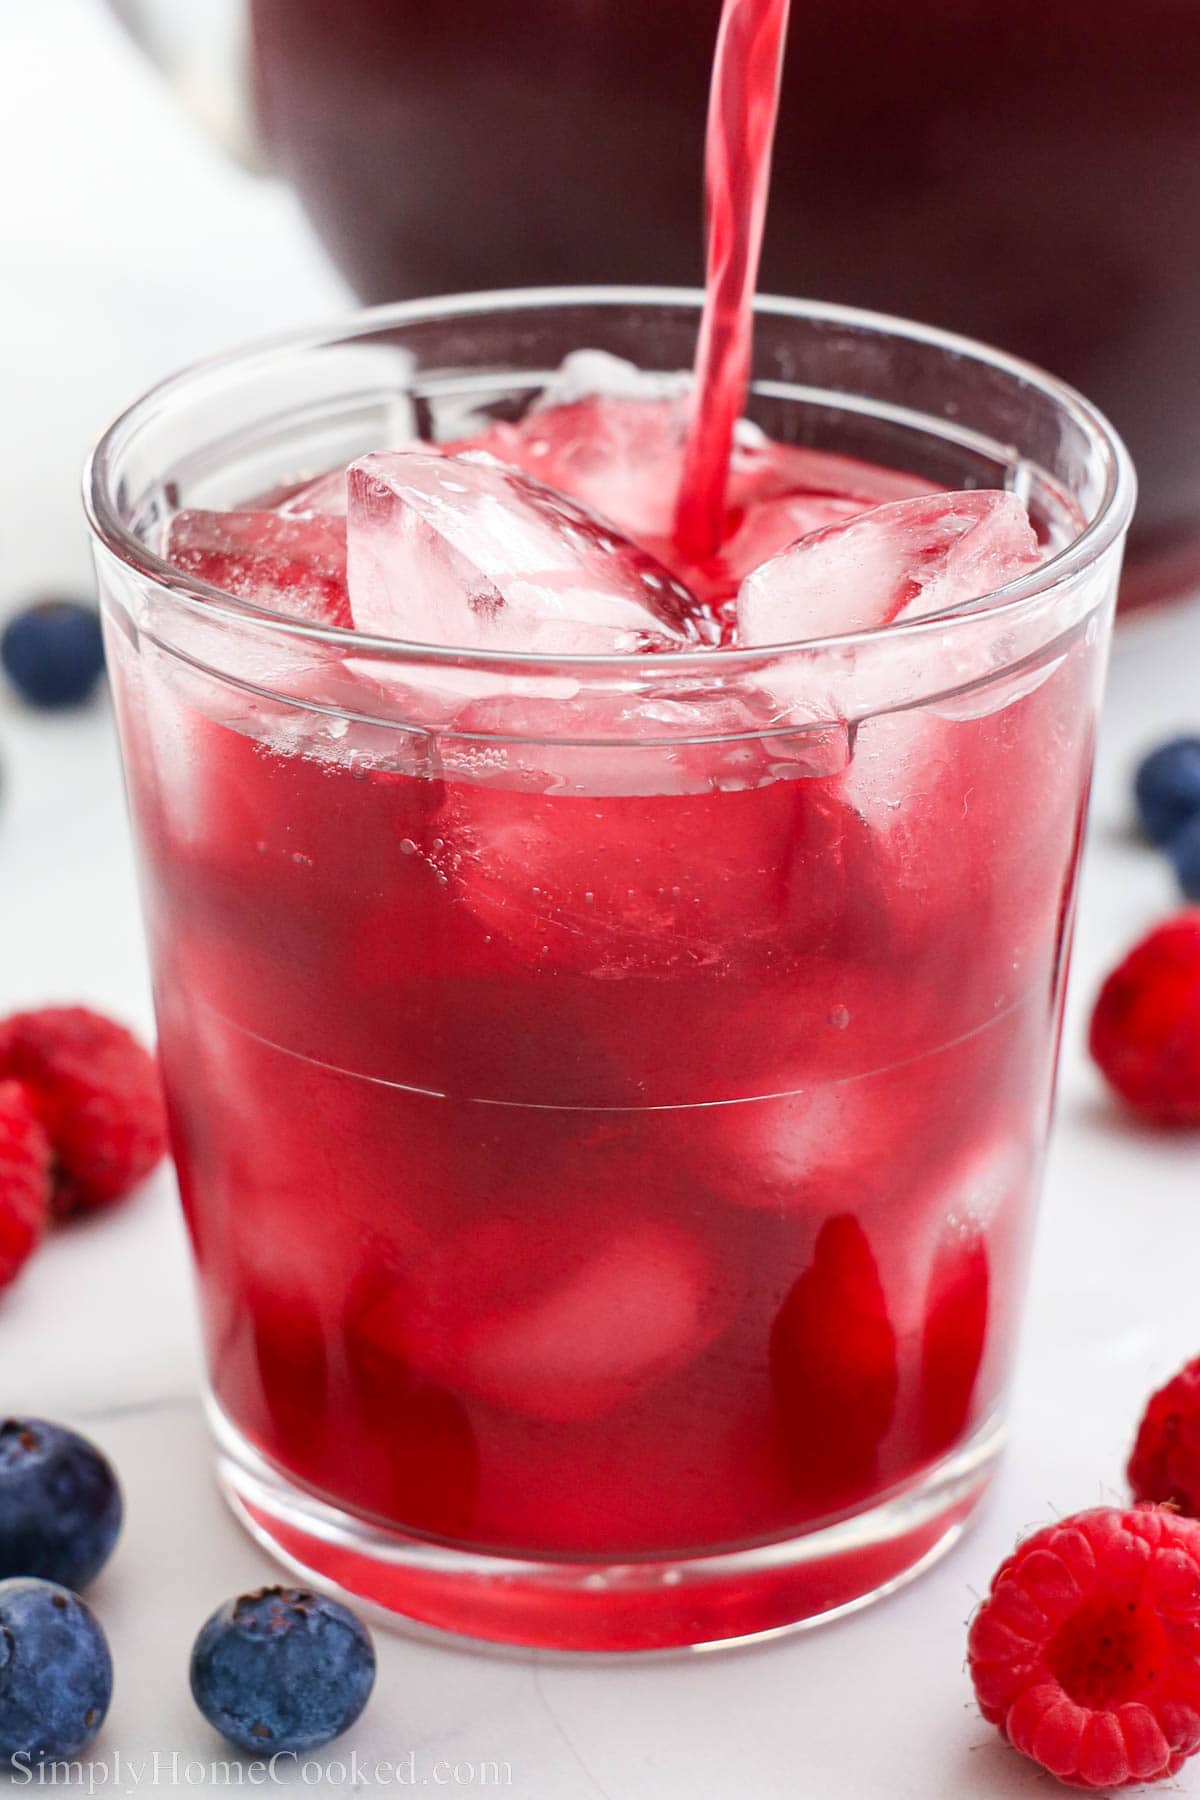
[282, 1669]
[55, 1672]
[1167, 787]
[53, 652]
[1184, 852]
[60, 1506]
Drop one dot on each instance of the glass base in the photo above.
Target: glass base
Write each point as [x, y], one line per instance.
[586, 1605]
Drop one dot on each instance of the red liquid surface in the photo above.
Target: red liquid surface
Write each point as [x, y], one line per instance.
[603, 1151]
[1026, 173]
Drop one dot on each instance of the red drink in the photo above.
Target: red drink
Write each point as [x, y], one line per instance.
[597, 1159]
[596, 1165]
[608, 1000]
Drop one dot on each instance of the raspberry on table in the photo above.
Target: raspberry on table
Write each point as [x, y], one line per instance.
[1165, 1461]
[96, 1093]
[1086, 1652]
[24, 1179]
[1145, 1029]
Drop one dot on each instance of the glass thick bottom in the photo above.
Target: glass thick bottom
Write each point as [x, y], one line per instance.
[586, 1605]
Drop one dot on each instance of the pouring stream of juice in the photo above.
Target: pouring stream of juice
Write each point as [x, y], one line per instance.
[742, 109]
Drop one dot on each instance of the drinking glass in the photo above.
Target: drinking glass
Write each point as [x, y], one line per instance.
[608, 1092]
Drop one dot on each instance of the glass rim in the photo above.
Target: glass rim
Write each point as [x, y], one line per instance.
[103, 514]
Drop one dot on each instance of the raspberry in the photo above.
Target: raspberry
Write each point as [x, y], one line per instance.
[1086, 1652]
[1165, 1464]
[24, 1179]
[834, 1365]
[1145, 1031]
[96, 1093]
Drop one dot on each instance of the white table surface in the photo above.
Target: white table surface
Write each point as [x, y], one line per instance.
[129, 246]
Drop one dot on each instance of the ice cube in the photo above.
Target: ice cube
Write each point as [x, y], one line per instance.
[547, 1317]
[612, 436]
[975, 888]
[766, 527]
[294, 565]
[904, 560]
[590, 1345]
[868, 1045]
[463, 552]
[324, 494]
[696, 739]
[598, 375]
[619, 456]
[776, 494]
[934, 796]
[645, 856]
[983, 1182]
[793, 1152]
[782, 1152]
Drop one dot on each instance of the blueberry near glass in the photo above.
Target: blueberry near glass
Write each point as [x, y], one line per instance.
[60, 1503]
[282, 1670]
[1167, 788]
[52, 652]
[608, 1079]
[56, 1675]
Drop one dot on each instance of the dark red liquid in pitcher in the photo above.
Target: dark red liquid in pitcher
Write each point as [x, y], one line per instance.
[1028, 172]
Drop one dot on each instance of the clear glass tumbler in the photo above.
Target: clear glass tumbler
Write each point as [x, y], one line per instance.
[608, 1094]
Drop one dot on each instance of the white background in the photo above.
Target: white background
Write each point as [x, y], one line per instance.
[128, 245]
